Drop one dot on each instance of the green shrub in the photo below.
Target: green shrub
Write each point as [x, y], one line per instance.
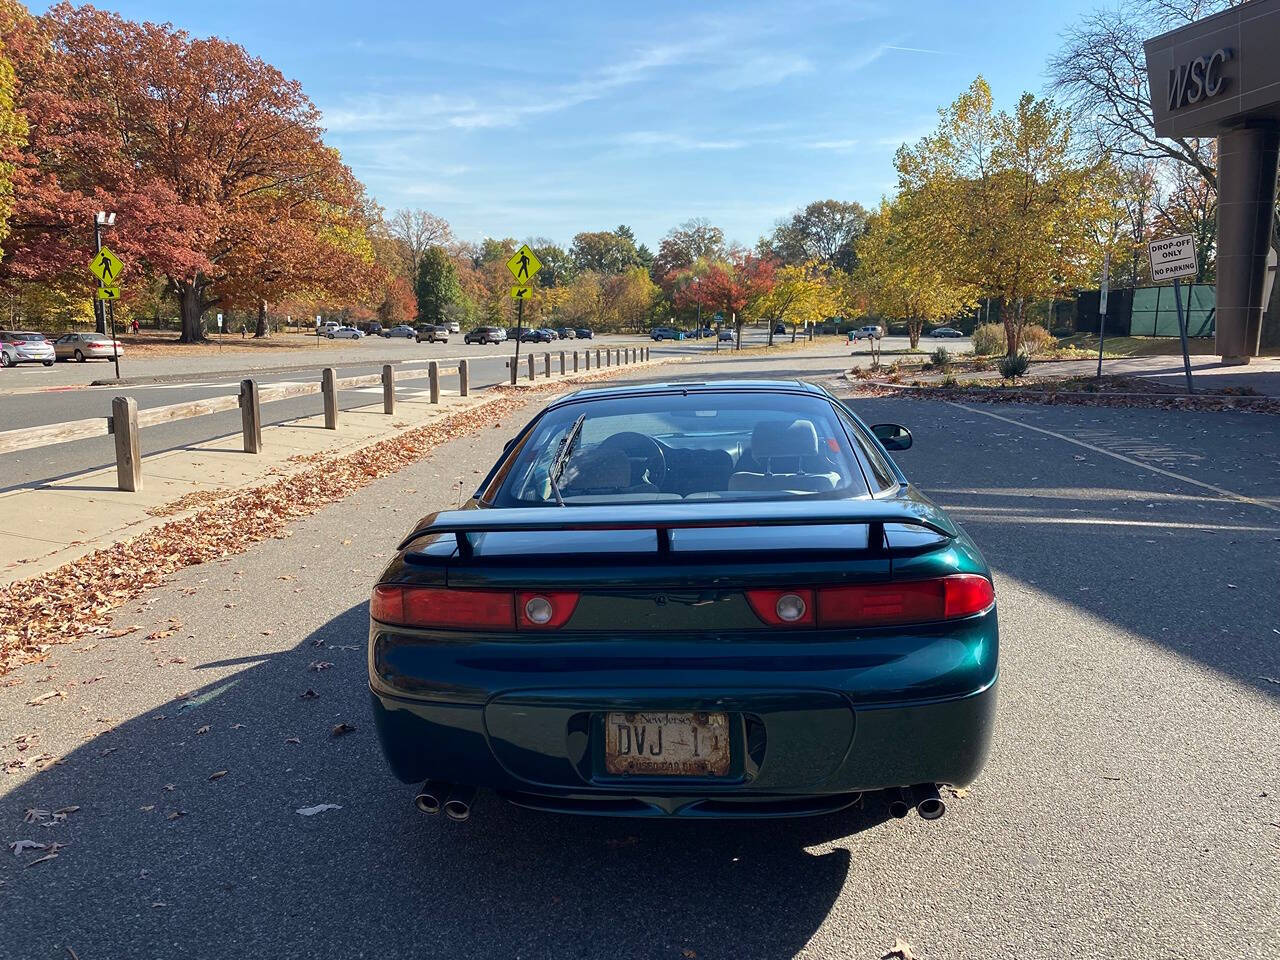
[1013, 367]
[940, 357]
[1035, 338]
[988, 339]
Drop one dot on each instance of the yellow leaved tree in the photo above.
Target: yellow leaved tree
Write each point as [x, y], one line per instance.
[802, 295]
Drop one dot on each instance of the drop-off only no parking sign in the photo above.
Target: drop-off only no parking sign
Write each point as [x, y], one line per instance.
[1172, 258]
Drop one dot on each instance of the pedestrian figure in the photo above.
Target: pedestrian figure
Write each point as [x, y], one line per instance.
[524, 266]
[135, 325]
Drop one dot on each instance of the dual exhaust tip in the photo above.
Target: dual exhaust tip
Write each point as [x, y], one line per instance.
[923, 797]
[455, 800]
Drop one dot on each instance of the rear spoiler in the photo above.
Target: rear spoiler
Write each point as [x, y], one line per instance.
[663, 518]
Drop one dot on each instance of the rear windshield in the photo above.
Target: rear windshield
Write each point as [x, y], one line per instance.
[24, 336]
[704, 446]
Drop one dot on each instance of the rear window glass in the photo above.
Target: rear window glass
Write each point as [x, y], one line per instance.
[701, 446]
[24, 336]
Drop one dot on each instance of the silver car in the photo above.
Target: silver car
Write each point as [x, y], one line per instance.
[344, 333]
[17, 346]
[87, 346]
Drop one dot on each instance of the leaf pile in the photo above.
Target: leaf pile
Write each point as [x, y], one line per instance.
[77, 600]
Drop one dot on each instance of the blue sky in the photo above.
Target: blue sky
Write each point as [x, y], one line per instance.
[538, 119]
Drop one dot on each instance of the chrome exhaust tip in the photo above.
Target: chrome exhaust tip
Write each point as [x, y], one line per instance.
[431, 796]
[928, 802]
[900, 801]
[457, 805]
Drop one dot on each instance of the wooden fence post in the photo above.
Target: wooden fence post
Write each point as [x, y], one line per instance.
[512, 365]
[250, 416]
[124, 419]
[546, 364]
[598, 364]
[586, 358]
[464, 378]
[388, 388]
[562, 370]
[329, 387]
[531, 366]
[575, 361]
[433, 378]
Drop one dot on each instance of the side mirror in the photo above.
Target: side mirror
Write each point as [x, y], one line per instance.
[893, 436]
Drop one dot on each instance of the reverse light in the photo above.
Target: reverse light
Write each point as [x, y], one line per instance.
[790, 607]
[783, 608]
[543, 611]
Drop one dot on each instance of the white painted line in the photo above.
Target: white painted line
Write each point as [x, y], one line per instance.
[1221, 491]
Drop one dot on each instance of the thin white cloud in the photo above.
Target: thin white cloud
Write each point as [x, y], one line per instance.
[839, 145]
[676, 141]
[761, 71]
[937, 53]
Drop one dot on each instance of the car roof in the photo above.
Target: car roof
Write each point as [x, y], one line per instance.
[719, 386]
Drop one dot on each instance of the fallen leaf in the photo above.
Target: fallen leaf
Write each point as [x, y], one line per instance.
[343, 728]
[318, 665]
[44, 697]
[318, 808]
[176, 814]
[689, 954]
[20, 847]
[47, 856]
[148, 808]
[959, 792]
[201, 731]
[65, 810]
[899, 951]
[308, 694]
[292, 740]
[237, 726]
[217, 774]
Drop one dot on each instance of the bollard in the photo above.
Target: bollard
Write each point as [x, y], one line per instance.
[433, 378]
[250, 416]
[329, 387]
[562, 369]
[586, 359]
[546, 364]
[464, 378]
[575, 361]
[531, 366]
[511, 364]
[598, 363]
[388, 388]
[124, 423]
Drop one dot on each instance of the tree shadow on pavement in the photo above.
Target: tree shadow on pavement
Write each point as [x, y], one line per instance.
[168, 855]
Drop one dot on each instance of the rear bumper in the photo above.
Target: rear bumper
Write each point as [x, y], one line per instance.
[811, 726]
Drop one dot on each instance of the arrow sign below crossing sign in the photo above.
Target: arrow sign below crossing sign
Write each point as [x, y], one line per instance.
[1173, 258]
[108, 293]
[106, 266]
[521, 293]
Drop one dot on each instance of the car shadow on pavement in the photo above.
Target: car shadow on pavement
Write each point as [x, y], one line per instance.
[188, 840]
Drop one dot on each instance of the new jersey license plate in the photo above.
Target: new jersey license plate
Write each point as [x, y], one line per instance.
[667, 744]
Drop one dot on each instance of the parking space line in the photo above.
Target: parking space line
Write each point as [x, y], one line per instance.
[1221, 491]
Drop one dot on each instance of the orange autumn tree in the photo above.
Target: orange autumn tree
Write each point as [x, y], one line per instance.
[212, 159]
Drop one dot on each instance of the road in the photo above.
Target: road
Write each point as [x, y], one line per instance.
[1131, 806]
[180, 380]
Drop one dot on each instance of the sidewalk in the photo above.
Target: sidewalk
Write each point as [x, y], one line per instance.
[44, 527]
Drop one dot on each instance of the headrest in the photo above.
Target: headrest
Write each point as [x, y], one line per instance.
[778, 438]
[597, 469]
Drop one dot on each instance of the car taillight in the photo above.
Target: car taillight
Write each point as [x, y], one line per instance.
[412, 606]
[783, 608]
[875, 604]
[409, 606]
[546, 610]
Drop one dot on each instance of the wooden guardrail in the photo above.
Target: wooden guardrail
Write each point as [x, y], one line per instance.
[126, 420]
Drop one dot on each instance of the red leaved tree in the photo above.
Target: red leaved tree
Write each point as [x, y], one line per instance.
[731, 287]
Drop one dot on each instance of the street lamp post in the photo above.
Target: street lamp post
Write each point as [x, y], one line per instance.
[103, 219]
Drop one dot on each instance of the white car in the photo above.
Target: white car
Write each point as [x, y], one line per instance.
[454, 326]
[344, 333]
[871, 331]
[87, 346]
[19, 346]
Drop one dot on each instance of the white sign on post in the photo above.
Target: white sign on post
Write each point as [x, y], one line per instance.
[1172, 258]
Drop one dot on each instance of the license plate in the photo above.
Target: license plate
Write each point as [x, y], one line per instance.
[667, 744]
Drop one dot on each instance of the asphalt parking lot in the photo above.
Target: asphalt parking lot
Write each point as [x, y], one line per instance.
[1131, 806]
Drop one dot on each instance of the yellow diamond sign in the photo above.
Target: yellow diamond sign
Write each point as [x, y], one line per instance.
[523, 264]
[106, 266]
[108, 293]
[521, 293]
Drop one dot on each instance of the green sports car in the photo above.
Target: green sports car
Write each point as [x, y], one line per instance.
[693, 600]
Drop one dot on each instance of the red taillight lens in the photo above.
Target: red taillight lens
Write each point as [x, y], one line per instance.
[545, 611]
[783, 608]
[876, 604]
[442, 607]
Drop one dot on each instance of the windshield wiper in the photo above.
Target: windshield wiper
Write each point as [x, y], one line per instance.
[562, 457]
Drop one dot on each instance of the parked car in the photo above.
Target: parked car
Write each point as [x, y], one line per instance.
[951, 332]
[537, 336]
[666, 333]
[329, 325]
[19, 346]
[871, 331]
[514, 332]
[344, 333]
[726, 335]
[570, 659]
[566, 333]
[584, 333]
[699, 333]
[485, 335]
[779, 328]
[431, 333]
[403, 330]
[453, 326]
[374, 329]
[86, 346]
